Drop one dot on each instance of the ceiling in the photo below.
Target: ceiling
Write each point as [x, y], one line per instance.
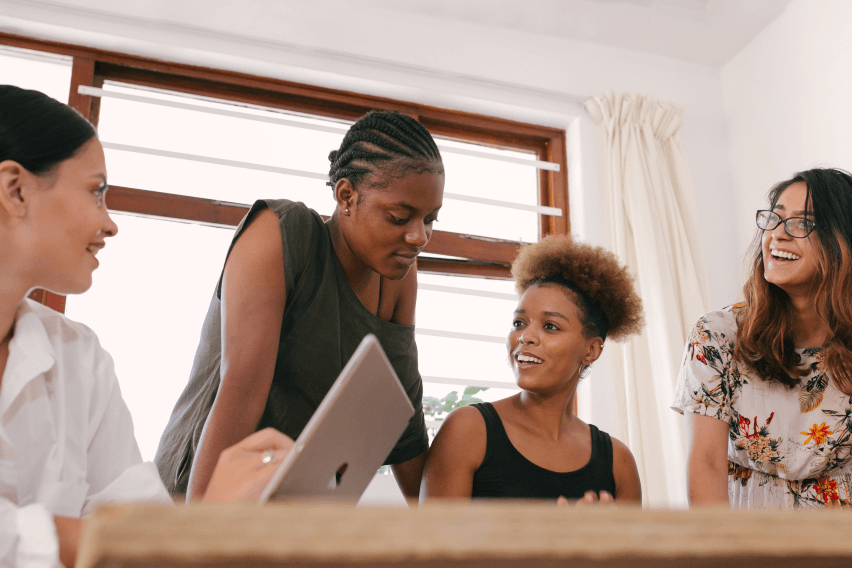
[708, 32]
[705, 32]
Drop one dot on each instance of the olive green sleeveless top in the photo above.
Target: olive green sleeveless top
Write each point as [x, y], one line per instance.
[323, 323]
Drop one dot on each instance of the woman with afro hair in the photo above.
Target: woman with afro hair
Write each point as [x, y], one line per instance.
[573, 297]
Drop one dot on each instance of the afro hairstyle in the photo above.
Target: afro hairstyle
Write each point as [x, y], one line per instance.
[602, 288]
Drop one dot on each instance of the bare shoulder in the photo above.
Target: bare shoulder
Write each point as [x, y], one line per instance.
[620, 451]
[455, 455]
[255, 264]
[466, 419]
[626, 474]
[264, 229]
[462, 435]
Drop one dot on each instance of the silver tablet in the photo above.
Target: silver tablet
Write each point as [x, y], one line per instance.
[350, 434]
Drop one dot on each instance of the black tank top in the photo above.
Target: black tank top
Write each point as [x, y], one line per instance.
[505, 473]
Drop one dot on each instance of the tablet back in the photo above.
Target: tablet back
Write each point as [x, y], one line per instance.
[349, 436]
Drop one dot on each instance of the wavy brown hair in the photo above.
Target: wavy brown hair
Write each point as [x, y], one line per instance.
[603, 289]
[765, 320]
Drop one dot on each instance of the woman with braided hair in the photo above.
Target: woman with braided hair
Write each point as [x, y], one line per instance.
[297, 295]
[531, 445]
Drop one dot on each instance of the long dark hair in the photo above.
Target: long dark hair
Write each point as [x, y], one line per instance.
[37, 131]
[765, 322]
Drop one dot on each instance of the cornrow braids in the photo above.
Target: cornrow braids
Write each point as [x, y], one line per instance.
[384, 142]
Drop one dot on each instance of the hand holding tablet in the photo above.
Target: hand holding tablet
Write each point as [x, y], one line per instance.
[349, 436]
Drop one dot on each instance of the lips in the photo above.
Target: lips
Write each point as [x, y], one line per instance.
[526, 358]
[94, 249]
[406, 258]
[783, 254]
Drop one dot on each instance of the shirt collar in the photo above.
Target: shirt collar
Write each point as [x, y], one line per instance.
[31, 354]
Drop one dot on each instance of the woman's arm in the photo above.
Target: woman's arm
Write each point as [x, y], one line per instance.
[253, 297]
[707, 460]
[241, 473]
[409, 474]
[455, 455]
[31, 537]
[628, 488]
[68, 532]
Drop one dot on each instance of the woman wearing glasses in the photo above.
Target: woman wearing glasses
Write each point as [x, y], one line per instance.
[766, 385]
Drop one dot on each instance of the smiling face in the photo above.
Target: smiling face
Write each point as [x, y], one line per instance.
[790, 263]
[387, 227]
[70, 221]
[547, 345]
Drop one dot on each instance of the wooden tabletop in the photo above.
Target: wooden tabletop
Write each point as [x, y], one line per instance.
[452, 534]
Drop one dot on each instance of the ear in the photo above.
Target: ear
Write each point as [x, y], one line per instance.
[12, 195]
[345, 194]
[593, 350]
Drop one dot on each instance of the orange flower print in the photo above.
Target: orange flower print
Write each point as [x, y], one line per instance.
[827, 490]
[818, 434]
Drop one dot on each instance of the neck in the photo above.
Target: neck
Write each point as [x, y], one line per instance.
[810, 330]
[357, 273]
[11, 294]
[10, 298]
[551, 414]
[17, 279]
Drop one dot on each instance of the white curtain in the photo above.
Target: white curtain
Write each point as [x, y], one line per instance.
[653, 229]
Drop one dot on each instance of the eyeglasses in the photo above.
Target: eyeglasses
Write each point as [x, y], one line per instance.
[796, 227]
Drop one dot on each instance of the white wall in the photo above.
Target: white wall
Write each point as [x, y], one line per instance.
[461, 66]
[788, 102]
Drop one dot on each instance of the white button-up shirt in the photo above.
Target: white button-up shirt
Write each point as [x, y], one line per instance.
[66, 436]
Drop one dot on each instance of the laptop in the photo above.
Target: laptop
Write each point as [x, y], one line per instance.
[350, 434]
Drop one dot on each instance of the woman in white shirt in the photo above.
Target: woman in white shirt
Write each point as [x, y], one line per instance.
[66, 436]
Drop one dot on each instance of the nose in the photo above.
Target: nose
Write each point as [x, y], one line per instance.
[418, 235]
[779, 232]
[108, 226]
[528, 337]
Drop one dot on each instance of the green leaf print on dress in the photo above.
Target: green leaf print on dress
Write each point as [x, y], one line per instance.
[760, 447]
[810, 397]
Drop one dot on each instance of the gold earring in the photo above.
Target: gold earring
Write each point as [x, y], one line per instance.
[346, 211]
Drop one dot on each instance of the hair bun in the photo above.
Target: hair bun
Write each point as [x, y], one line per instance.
[332, 156]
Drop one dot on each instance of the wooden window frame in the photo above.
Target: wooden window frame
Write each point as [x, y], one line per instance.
[482, 257]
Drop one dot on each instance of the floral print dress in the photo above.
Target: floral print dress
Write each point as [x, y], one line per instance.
[787, 448]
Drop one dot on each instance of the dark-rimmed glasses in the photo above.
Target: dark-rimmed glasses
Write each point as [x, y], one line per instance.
[796, 227]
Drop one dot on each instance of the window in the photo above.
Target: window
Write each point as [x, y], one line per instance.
[189, 149]
[38, 70]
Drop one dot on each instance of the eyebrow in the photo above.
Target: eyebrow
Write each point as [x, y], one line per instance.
[521, 311]
[413, 208]
[800, 212]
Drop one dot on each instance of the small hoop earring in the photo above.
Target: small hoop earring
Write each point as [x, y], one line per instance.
[584, 371]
